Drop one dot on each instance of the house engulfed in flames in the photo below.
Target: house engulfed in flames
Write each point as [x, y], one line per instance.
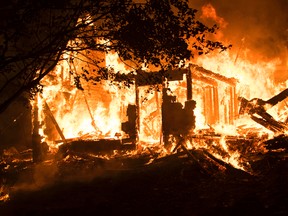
[184, 109]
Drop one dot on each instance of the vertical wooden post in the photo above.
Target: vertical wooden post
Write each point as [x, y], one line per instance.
[189, 84]
[231, 106]
[158, 107]
[216, 104]
[211, 105]
[208, 105]
[235, 103]
[137, 103]
[36, 138]
[50, 114]
[226, 117]
[205, 105]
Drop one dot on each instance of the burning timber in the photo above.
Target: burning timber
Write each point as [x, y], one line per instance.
[176, 119]
[182, 152]
[257, 109]
[175, 110]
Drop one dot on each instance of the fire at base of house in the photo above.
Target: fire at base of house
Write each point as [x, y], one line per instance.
[146, 122]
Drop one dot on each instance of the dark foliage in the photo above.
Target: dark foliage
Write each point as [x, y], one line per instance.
[35, 34]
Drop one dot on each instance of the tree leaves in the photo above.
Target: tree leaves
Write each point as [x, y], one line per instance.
[159, 33]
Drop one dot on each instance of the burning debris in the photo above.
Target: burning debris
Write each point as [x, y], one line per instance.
[183, 120]
[192, 114]
[191, 136]
[257, 109]
[155, 121]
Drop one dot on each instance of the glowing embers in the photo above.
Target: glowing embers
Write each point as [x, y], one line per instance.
[4, 196]
[221, 147]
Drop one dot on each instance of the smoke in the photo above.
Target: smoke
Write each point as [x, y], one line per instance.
[263, 24]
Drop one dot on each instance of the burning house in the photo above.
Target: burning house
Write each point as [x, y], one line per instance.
[171, 108]
[159, 108]
[216, 114]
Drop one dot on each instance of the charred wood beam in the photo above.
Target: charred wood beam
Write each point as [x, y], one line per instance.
[278, 142]
[194, 159]
[265, 119]
[257, 106]
[130, 126]
[90, 113]
[102, 146]
[221, 164]
[36, 138]
[198, 76]
[189, 84]
[270, 123]
[144, 78]
[279, 97]
[209, 73]
[50, 114]
[138, 108]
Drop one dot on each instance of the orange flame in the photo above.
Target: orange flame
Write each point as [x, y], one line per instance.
[97, 112]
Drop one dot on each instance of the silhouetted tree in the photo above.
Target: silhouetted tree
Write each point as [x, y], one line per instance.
[34, 35]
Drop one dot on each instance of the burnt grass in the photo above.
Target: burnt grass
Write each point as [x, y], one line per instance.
[169, 186]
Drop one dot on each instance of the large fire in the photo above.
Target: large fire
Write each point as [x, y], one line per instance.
[98, 111]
